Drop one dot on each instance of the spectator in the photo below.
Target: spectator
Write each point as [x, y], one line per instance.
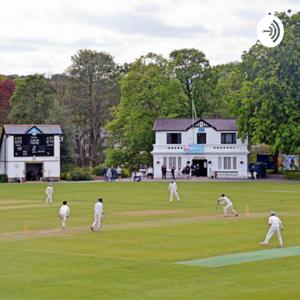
[187, 171]
[109, 174]
[252, 171]
[105, 174]
[164, 171]
[149, 173]
[173, 173]
[193, 171]
[119, 172]
[136, 177]
[113, 174]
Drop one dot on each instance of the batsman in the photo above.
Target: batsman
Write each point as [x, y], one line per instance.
[228, 205]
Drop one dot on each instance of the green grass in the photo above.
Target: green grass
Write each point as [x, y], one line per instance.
[135, 256]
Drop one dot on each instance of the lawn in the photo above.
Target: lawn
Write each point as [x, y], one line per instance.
[143, 238]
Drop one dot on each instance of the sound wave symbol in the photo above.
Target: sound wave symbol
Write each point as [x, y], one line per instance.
[274, 31]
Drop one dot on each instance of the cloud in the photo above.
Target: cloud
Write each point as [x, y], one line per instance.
[31, 45]
[24, 44]
[45, 34]
[140, 24]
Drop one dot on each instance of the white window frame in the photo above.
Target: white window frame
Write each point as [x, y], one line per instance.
[227, 163]
[234, 165]
[220, 163]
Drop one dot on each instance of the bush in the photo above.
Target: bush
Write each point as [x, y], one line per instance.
[293, 175]
[67, 167]
[3, 178]
[64, 175]
[98, 171]
[125, 173]
[79, 174]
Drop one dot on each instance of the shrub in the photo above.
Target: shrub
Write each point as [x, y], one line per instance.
[293, 175]
[79, 174]
[64, 175]
[67, 167]
[98, 171]
[125, 173]
[3, 178]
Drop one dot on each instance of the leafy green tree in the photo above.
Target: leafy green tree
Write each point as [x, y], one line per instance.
[229, 81]
[192, 69]
[32, 100]
[148, 91]
[60, 114]
[268, 102]
[94, 83]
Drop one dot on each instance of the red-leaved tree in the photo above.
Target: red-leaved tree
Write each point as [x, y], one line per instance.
[7, 88]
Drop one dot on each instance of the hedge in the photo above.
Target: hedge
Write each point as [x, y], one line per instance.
[3, 178]
[293, 175]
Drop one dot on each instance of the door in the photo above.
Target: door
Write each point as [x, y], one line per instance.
[34, 172]
[200, 167]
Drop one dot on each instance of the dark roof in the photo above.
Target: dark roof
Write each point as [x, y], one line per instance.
[185, 124]
[24, 128]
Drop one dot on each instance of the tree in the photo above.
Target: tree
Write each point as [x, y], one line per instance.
[229, 81]
[148, 91]
[192, 69]
[268, 102]
[94, 82]
[32, 100]
[67, 151]
[7, 88]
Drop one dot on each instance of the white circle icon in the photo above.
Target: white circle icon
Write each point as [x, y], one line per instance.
[270, 31]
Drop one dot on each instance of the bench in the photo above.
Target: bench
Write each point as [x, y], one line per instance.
[226, 174]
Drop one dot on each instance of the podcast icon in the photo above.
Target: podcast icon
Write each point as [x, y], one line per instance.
[270, 31]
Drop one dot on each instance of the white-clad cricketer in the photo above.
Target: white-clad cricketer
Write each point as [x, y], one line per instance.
[275, 225]
[173, 191]
[228, 205]
[49, 193]
[98, 215]
[64, 213]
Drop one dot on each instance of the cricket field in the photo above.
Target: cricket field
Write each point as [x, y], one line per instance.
[145, 241]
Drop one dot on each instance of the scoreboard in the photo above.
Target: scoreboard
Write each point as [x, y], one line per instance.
[26, 145]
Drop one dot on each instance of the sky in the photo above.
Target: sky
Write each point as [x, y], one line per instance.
[39, 36]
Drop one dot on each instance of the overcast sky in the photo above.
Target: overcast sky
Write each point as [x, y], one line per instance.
[39, 36]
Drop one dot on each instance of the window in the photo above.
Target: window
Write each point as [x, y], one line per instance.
[165, 161]
[172, 162]
[234, 163]
[228, 138]
[201, 138]
[179, 163]
[173, 138]
[227, 163]
[219, 163]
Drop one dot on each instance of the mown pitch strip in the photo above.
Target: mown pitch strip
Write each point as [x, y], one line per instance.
[244, 257]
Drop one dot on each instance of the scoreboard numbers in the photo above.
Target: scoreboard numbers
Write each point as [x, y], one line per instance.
[27, 145]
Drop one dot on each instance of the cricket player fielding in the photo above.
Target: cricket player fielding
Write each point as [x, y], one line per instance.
[98, 215]
[173, 191]
[228, 205]
[49, 193]
[275, 227]
[63, 214]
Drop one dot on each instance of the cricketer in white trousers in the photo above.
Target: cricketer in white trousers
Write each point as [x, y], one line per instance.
[64, 213]
[275, 227]
[173, 191]
[49, 193]
[98, 215]
[228, 205]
